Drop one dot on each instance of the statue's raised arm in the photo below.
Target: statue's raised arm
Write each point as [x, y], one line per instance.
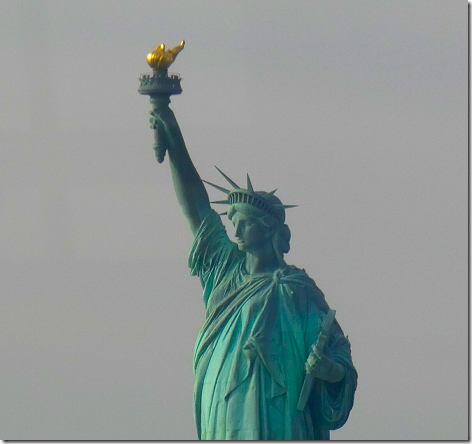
[189, 188]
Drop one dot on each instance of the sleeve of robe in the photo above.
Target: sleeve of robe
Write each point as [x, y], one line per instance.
[212, 253]
[330, 403]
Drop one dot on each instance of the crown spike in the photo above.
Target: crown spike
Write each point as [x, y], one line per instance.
[220, 202]
[281, 206]
[234, 184]
[270, 193]
[224, 190]
[249, 184]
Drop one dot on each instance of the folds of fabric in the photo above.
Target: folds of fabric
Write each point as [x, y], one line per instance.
[250, 354]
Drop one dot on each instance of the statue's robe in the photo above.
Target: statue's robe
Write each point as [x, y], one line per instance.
[251, 352]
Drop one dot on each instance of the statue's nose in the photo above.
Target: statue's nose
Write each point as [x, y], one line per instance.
[238, 230]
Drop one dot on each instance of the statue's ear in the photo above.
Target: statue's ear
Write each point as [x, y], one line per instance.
[266, 221]
[268, 224]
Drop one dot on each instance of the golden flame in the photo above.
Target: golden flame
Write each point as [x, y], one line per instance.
[162, 59]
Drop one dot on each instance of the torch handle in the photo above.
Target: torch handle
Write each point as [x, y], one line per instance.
[159, 103]
[160, 143]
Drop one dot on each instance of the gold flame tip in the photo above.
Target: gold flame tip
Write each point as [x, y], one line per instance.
[162, 59]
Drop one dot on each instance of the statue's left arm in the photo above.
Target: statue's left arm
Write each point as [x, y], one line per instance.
[335, 389]
[332, 395]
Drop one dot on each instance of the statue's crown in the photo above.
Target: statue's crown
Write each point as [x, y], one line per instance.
[265, 201]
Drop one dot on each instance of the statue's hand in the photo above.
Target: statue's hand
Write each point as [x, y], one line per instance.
[163, 120]
[322, 367]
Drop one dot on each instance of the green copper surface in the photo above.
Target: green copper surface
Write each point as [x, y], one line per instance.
[270, 361]
[251, 353]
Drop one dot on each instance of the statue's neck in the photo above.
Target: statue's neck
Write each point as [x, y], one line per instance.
[264, 262]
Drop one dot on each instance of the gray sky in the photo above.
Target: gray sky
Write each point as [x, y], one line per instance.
[355, 110]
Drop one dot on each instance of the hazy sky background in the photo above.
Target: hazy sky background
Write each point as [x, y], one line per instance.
[355, 110]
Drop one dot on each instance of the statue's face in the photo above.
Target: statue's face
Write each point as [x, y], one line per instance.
[252, 236]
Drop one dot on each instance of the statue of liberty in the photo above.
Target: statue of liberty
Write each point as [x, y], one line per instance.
[266, 328]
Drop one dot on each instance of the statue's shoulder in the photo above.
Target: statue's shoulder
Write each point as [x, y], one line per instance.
[302, 284]
[298, 276]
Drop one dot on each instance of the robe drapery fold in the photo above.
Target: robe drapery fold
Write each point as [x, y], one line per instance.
[251, 352]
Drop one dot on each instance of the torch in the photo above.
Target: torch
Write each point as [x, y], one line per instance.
[160, 86]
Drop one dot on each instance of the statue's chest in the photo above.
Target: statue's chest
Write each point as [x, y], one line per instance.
[226, 289]
[240, 295]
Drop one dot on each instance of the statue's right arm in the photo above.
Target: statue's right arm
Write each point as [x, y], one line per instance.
[190, 191]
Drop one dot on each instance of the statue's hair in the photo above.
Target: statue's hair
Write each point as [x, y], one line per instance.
[281, 232]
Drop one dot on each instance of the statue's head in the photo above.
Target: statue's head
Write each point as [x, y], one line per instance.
[256, 229]
[258, 217]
